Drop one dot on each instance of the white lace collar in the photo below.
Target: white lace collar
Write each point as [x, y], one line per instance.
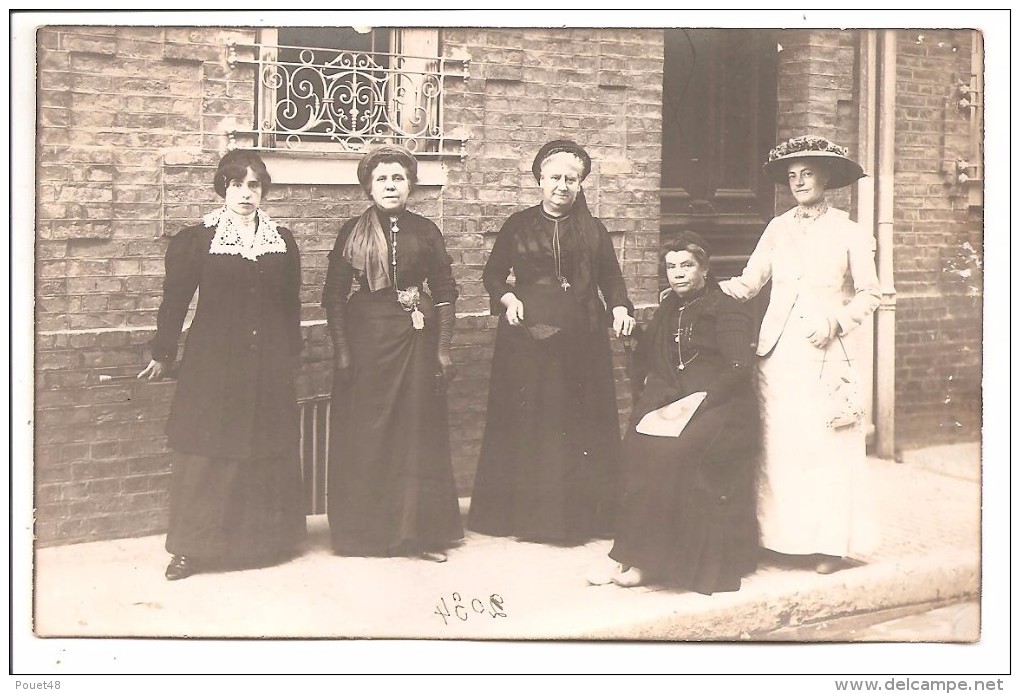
[805, 214]
[229, 239]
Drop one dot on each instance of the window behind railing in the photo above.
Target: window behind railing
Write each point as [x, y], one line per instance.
[337, 89]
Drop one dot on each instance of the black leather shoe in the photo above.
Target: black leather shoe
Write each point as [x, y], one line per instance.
[180, 567]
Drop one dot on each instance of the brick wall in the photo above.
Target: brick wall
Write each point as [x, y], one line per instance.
[131, 125]
[938, 247]
[602, 88]
[817, 95]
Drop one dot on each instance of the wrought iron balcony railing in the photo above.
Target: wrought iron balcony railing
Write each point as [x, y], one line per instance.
[322, 99]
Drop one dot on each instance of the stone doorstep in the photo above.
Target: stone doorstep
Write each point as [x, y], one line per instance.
[790, 612]
[855, 627]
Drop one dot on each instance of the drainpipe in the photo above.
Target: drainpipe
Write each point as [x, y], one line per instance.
[867, 139]
[885, 343]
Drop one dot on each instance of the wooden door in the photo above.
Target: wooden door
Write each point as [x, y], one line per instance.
[719, 122]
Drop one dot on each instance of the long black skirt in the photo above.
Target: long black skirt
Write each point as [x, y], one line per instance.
[687, 516]
[549, 460]
[235, 512]
[391, 486]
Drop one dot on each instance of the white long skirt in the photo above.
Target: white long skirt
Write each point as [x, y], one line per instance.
[813, 491]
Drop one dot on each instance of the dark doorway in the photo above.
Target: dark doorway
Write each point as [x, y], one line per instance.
[718, 124]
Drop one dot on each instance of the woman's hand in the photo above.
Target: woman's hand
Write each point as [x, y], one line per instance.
[823, 333]
[447, 371]
[514, 308]
[342, 364]
[623, 322]
[154, 371]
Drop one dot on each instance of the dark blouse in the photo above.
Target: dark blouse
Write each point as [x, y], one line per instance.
[525, 245]
[421, 257]
[235, 389]
[712, 334]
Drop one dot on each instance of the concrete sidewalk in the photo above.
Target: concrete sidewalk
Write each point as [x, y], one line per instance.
[928, 507]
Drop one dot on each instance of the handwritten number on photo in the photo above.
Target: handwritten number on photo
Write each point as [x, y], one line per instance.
[496, 602]
[494, 608]
[442, 610]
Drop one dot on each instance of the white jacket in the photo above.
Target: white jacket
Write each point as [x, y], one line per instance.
[826, 269]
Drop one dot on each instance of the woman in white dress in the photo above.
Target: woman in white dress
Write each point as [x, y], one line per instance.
[824, 285]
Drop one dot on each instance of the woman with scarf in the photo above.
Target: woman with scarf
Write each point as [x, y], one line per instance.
[687, 515]
[391, 486]
[549, 459]
[812, 493]
[236, 495]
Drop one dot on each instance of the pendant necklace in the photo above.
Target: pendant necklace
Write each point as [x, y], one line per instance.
[409, 297]
[684, 333]
[557, 256]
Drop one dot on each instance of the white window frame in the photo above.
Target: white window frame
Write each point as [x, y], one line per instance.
[410, 79]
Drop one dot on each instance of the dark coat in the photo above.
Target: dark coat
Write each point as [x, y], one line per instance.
[391, 485]
[715, 341]
[589, 261]
[550, 452]
[688, 509]
[235, 388]
[421, 258]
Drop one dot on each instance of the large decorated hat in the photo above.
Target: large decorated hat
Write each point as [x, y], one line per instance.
[842, 169]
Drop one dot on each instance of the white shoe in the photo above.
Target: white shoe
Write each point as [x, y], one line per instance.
[604, 574]
[630, 578]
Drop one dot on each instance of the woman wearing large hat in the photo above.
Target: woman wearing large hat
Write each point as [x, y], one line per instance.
[824, 285]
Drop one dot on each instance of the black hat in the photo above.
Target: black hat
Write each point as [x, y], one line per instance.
[555, 147]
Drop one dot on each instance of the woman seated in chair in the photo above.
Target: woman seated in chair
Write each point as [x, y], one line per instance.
[687, 516]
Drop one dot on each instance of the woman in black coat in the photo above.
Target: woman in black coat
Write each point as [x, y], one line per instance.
[391, 486]
[235, 486]
[687, 517]
[550, 452]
